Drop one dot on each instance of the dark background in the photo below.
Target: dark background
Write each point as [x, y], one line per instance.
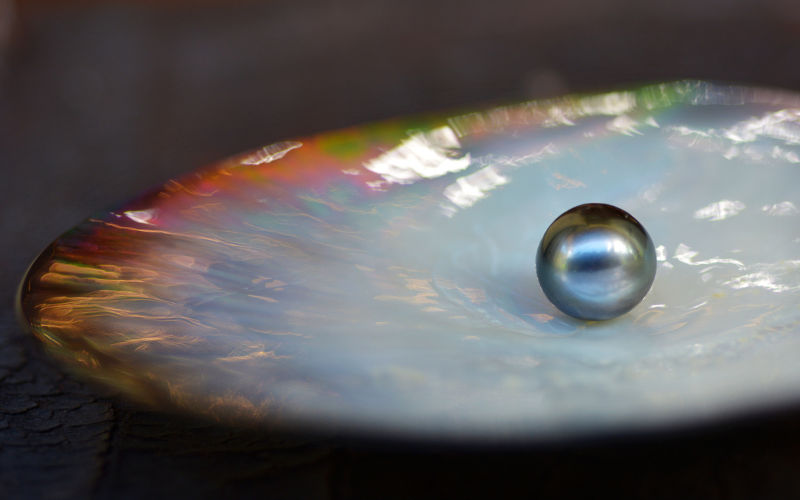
[101, 100]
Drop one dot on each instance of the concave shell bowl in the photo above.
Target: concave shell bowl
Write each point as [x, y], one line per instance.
[381, 279]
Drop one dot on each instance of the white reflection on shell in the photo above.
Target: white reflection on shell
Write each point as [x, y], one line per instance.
[720, 210]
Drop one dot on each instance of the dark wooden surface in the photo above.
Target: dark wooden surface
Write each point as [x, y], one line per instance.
[101, 101]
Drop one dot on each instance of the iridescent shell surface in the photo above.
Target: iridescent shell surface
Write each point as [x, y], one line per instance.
[382, 279]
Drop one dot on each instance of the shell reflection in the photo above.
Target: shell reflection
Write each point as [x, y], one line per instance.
[381, 278]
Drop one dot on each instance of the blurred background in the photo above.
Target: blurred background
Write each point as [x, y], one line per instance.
[102, 100]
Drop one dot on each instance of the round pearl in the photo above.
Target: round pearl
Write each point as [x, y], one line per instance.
[595, 262]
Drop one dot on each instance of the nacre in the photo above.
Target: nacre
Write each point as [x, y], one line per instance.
[381, 279]
[595, 262]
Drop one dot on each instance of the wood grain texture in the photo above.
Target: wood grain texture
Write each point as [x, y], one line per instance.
[101, 101]
[48, 424]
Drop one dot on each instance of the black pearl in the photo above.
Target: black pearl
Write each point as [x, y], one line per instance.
[595, 262]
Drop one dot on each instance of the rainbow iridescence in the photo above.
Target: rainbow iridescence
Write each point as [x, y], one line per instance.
[382, 278]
